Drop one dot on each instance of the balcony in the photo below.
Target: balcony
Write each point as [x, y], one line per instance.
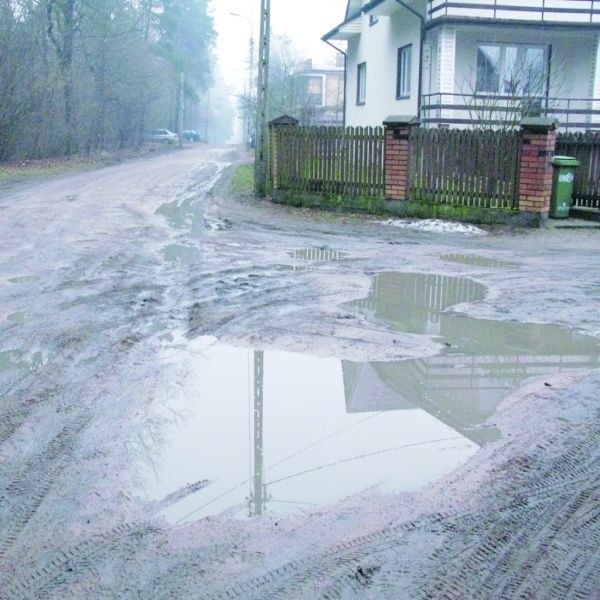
[543, 11]
[573, 114]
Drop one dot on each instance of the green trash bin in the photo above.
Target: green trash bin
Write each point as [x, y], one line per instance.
[562, 186]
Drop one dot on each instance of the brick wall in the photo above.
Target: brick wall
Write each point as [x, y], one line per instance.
[535, 169]
[396, 162]
[533, 163]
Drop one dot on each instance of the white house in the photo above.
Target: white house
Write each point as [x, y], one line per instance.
[456, 62]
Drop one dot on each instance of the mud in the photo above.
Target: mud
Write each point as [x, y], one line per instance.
[110, 283]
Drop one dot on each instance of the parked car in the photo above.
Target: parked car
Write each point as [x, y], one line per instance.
[163, 135]
[191, 135]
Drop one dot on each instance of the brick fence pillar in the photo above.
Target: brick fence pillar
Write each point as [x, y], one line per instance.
[396, 155]
[277, 129]
[535, 168]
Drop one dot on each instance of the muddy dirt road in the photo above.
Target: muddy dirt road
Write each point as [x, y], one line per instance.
[202, 397]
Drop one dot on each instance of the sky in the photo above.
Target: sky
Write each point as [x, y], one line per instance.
[304, 21]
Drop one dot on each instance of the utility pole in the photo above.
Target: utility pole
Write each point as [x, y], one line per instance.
[181, 108]
[261, 152]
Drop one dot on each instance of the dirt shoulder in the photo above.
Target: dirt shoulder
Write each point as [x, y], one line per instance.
[16, 173]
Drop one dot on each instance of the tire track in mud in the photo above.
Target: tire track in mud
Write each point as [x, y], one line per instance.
[544, 539]
[241, 294]
[31, 485]
[16, 411]
[10, 423]
[74, 561]
[503, 552]
[285, 579]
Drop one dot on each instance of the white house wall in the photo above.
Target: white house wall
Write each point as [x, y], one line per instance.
[595, 83]
[377, 46]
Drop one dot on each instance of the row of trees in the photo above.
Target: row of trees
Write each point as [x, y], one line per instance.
[89, 75]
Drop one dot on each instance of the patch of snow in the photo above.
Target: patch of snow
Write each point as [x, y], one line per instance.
[435, 226]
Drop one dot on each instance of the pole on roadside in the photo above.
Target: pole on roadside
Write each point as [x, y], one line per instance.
[251, 89]
[261, 152]
[181, 109]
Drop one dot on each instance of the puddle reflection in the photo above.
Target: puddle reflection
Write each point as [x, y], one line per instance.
[307, 259]
[275, 432]
[272, 434]
[18, 360]
[317, 254]
[479, 261]
[482, 360]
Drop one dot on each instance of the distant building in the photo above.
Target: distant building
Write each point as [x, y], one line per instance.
[319, 94]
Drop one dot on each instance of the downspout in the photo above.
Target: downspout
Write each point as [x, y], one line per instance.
[345, 78]
[422, 45]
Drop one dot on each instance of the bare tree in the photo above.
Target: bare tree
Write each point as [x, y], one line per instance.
[63, 21]
[500, 98]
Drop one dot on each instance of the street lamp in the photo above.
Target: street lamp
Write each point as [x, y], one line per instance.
[249, 112]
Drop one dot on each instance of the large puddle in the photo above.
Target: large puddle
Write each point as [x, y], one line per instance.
[276, 432]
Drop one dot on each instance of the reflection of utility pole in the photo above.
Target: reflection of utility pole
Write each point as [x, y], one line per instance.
[258, 495]
[261, 153]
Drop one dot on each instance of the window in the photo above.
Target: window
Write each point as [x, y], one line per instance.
[314, 93]
[361, 83]
[372, 20]
[403, 72]
[507, 69]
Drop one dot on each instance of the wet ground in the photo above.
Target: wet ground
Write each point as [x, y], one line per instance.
[208, 397]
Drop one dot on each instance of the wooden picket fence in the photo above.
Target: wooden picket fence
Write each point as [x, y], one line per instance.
[330, 160]
[585, 147]
[447, 166]
[465, 167]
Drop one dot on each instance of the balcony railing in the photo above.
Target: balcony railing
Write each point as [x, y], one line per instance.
[547, 11]
[573, 114]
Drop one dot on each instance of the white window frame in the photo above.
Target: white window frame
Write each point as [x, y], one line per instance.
[403, 72]
[502, 68]
[361, 83]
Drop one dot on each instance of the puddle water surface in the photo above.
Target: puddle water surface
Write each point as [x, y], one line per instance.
[18, 317]
[275, 432]
[24, 279]
[186, 255]
[18, 360]
[310, 259]
[479, 261]
[317, 254]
